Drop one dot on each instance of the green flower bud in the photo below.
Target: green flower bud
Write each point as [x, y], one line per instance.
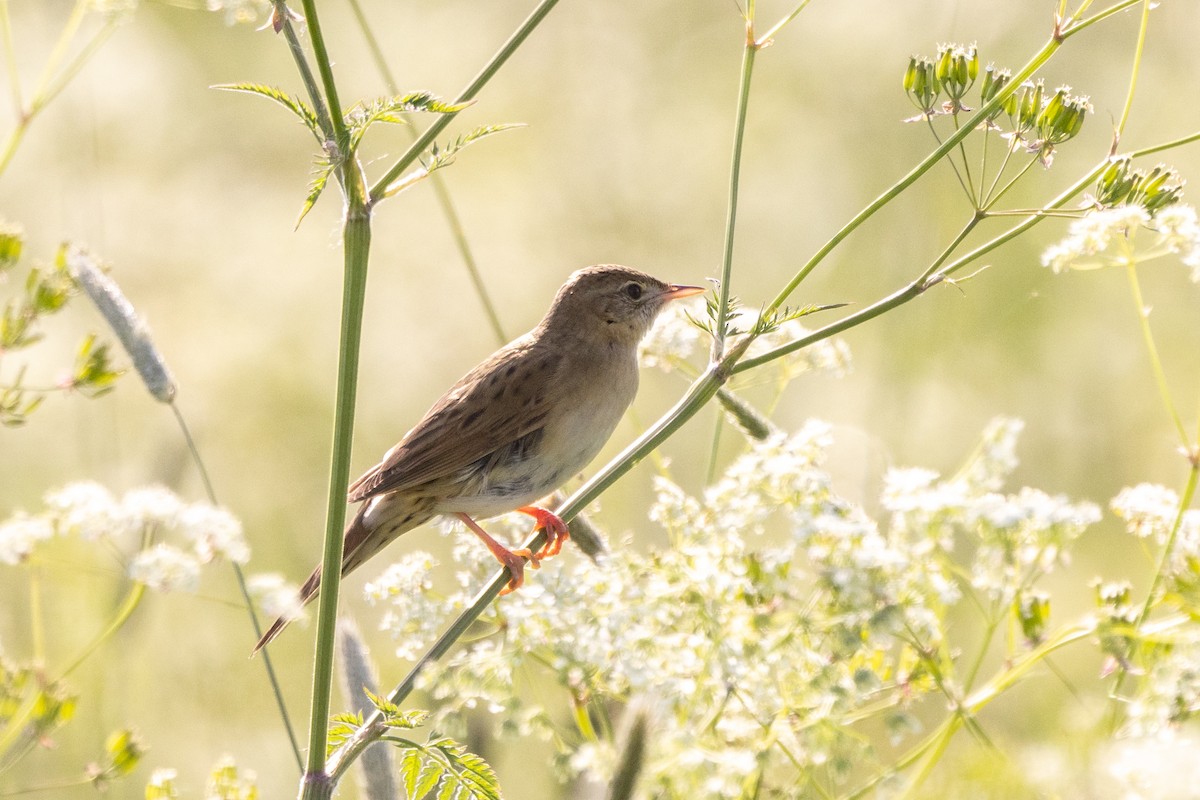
[1033, 611]
[12, 237]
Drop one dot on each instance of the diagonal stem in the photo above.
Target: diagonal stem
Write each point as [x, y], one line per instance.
[473, 88]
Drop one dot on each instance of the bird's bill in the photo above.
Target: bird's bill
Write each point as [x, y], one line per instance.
[675, 291]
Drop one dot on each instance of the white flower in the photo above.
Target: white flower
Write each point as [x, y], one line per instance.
[166, 569]
[88, 509]
[1092, 234]
[276, 596]
[19, 534]
[1180, 233]
[1148, 510]
[151, 505]
[214, 533]
[673, 338]
[161, 785]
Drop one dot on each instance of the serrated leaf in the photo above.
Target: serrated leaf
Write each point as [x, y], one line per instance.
[410, 769]
[431, 773]
[293, 104]
[442, 156]
[388, 110]
[93, 375]
[322, 169]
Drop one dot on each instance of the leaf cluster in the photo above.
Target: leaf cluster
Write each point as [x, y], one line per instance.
[439, 767]
[358, 120]
[45, 292]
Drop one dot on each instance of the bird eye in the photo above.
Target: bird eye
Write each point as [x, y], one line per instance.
[633, 291]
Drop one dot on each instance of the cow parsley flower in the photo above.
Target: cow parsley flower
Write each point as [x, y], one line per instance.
[165, 568]
[20, 534]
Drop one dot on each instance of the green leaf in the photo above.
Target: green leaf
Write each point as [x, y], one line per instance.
[444, 156]
[388, 110]
[12, 239]
[93, 375]
[410, 768]
[293, 104]
[322, 168]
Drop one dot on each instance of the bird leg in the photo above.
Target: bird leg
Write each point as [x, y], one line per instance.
[556, 530]
[513, 560]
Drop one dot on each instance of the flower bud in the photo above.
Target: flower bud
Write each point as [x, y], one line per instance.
[1033, 611]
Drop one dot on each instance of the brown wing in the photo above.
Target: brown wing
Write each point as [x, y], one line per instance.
[493, 405]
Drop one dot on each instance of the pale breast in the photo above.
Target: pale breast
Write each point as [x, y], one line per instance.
[591, 398]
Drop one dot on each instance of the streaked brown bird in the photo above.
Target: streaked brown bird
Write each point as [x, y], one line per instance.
[516, 427]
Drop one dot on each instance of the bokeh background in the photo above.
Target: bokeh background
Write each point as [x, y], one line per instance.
[191, 195]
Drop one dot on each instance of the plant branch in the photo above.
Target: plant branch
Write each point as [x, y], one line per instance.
[473, 88]
[735, 169]
[356, 244]
[457, 231]
[977, 119]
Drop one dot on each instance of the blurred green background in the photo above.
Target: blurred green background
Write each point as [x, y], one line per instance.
[191, 194]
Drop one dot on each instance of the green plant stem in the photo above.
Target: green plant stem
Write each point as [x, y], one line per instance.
[977, 119]
[1185, 502]
[325, 67]
[16, 724]
[473, 88]
[1137, 64]
[307, 78]
[735, 170]
[441, 192]
[773, 31]
[240, 574]
[994, 196]
[52, 80]
[697, 395]
[357, 243]
[1160, 375]
[974, 703]
[915, 289]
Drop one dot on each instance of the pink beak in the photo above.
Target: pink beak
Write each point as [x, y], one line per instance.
[675, 291]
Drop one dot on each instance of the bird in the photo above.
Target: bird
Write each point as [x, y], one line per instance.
[514, 428]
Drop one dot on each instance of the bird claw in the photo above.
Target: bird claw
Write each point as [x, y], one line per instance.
[514, 561]
[556, 531]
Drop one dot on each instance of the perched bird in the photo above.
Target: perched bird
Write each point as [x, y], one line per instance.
[516, 427]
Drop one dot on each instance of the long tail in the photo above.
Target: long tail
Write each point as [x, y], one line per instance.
[353, 554]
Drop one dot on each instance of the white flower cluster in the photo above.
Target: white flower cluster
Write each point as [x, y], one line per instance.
[1092, 238]
[675, 338]
[779, 610]
[90, 511]
[1017, 537]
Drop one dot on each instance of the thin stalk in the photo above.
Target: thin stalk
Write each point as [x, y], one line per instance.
[1137, 64]
[16, 724]
[325, 67]
[307, 78]
[950, 160]
[962, 153]
[698, 394]
[995, 198]
[1185, 502]
[51, 81]
[735, 171]
[1034, 64]
[357, 243]
[457, 232]
[473, 88]
[248, 603]
[1008, 152]
[766, 38]
[1160, 375]
[10, 59]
